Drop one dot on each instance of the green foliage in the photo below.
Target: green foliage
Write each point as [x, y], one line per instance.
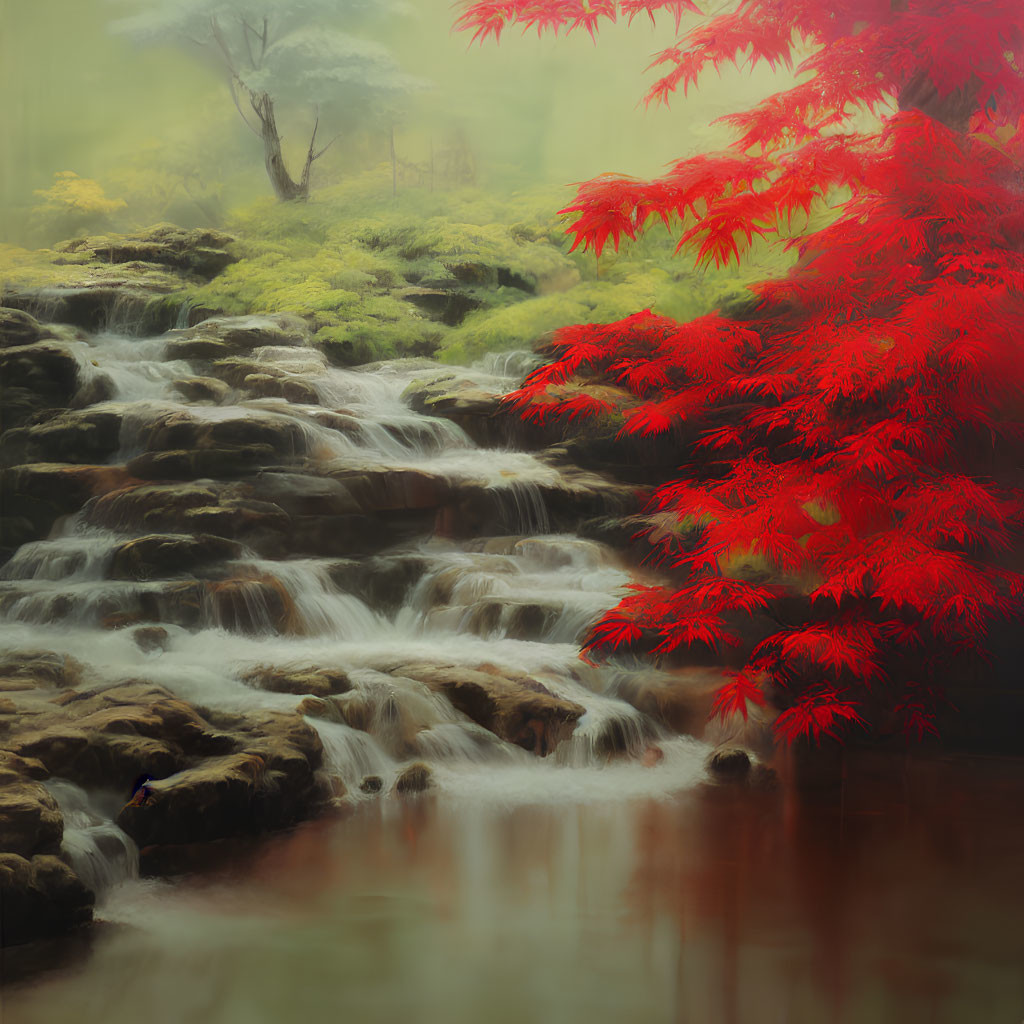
[344, 258]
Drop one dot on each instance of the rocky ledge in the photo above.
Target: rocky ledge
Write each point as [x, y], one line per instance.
[107, 281]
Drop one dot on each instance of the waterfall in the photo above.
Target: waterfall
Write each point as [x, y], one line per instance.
[499, 590]
[100, 853]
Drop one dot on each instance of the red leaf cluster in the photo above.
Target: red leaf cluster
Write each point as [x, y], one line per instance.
[860, 428]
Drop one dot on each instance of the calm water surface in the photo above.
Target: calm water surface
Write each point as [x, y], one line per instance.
[712, 907]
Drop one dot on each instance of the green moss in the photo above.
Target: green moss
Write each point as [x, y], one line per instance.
[342, 261]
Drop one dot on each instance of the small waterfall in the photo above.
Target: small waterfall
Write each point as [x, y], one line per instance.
[321, 608]
[182, 317]
[513, 365]
[101, 854]
[521, 507]
[352, 754]
[69, 558]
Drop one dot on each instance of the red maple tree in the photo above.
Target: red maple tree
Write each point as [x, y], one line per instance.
[858, 423]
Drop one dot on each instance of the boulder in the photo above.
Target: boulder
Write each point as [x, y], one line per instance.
[221, 337]
[257, 604]
[202, 389]
[20, 328]
[201, 252]
[291, 389]
[318, 682]
[30, 820]
[35, 669]
[151, 638]
[417, 778]
[270, 782]
[302, 494]
[222, 509]
[729, 764]
[80, 437]
[472, 406]
[516, 708]
[157, 556]
[150, 506]
[171, 431]
[40, 897]
[383, 582]
[36, 377]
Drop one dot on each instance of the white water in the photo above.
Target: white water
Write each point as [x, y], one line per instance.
[518, 602]
[102, 855]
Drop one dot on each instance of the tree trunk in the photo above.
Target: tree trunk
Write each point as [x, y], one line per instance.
[285, 188]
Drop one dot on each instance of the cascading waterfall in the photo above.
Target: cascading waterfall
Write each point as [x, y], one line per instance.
[519, 601]
[102, 855]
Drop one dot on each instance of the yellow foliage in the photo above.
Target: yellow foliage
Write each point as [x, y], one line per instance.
[72, 194]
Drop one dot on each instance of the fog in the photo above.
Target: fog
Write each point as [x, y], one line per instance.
[140, 119]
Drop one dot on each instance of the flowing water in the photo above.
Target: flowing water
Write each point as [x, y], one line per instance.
[579, 887]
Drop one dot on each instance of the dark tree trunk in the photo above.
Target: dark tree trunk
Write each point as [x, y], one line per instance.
[285, 188]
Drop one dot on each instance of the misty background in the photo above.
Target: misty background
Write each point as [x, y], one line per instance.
[155, 127]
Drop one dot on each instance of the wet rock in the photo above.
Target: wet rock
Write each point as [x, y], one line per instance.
[319, 682]
[317, 707]
[272, 781]
[198, 464]
[177, 430]
[516, 708]
[36, 377]
[150, 506]
[265, 385]
[158, 556]
[213, 800]
[371, 784]
[30, 820]
[383, 582]
[729, 764]
[417, 778]
[133, 298]
[151, 638]
[86, 436]
[20, 328]
[474, 408]
[220, 337]
[387, 489]
[301, 494]
[107, 738]
[261, 524]
[216, 508]
[33, 669]
[355, 710]
[233, 370]
[202, 389]
[259, 604]
[39, 897]
[100, 754]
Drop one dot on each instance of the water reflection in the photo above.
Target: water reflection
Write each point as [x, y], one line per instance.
[716, 907]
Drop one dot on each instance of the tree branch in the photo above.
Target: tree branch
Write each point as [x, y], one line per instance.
[238, 106]
[246, 29]
[222, 43]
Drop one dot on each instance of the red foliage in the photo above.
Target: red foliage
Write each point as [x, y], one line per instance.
[871, 398]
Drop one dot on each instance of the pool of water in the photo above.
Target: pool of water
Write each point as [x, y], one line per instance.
[900, 902]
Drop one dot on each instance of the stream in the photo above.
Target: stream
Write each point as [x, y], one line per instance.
[590, 885]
